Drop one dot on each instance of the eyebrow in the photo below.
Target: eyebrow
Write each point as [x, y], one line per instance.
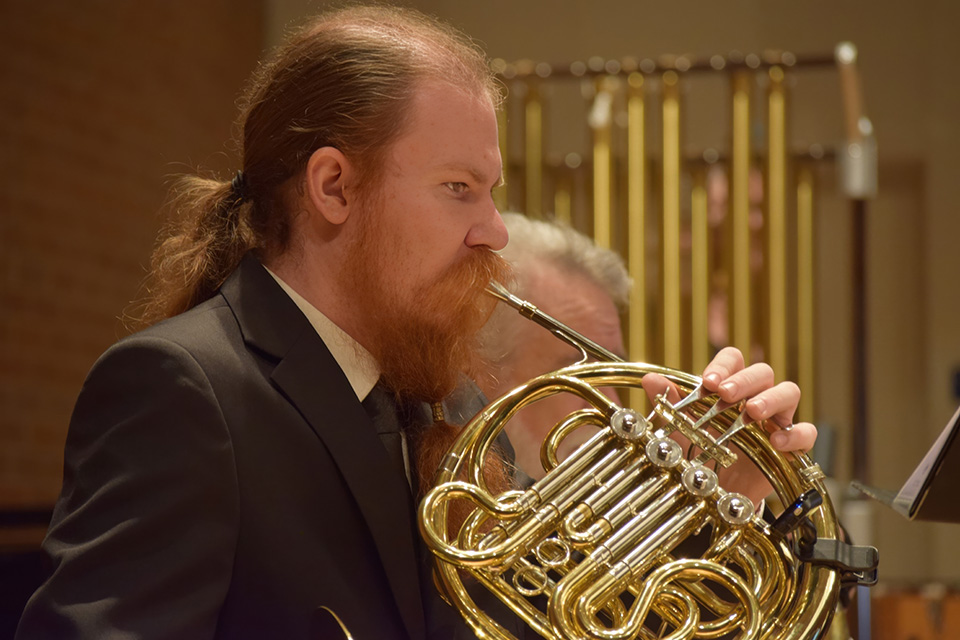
[476, 174]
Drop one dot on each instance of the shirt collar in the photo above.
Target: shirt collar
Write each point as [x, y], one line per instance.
[357, 363]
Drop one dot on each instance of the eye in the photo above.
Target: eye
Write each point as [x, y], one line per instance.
[456, 187]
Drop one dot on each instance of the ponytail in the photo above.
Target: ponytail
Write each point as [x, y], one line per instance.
[208, 234]
[345, 80]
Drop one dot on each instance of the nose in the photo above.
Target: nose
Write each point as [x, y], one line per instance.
[488, 230]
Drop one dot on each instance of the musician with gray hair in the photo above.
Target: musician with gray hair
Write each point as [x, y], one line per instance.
[587, 287]
[580, 284]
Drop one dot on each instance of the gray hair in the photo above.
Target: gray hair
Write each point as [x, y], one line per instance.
[537, 242]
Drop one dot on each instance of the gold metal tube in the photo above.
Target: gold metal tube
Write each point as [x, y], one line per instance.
[672, 353]
[805, 294]
[699, 272]
[602, 124]
[636, 224]
[562, 201]
[500, 194]
[533, 116]
[776, 224]
[739, 208]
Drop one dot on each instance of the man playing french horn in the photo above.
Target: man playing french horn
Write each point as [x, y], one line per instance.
[247, 466]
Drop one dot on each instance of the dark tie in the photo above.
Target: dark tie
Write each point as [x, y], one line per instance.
[382, 408]
[443, 621]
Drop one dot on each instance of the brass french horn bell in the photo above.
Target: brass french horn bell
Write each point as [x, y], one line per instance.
[595, 548]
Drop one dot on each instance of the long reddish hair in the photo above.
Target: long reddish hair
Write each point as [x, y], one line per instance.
[344, 80]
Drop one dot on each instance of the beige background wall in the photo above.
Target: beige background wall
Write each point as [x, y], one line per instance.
[99, 103]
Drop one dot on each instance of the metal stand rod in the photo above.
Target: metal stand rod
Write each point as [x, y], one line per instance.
[861, 453]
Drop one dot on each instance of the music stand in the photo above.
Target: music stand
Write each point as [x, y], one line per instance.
[930, 492]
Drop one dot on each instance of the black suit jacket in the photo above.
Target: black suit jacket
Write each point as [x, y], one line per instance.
[222, 481]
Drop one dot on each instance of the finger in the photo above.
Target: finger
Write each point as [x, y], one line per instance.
[778, 403]
[746, 383]
[655, 384]
[801, 437]
[728, 361]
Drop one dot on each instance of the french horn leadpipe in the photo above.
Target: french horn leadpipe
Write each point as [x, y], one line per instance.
[600, 547]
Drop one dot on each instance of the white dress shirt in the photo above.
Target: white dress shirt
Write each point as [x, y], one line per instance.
[357, 363]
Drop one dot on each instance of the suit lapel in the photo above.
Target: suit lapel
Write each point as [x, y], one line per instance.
[311, 379]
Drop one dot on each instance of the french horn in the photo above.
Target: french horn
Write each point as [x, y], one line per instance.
[596, 548]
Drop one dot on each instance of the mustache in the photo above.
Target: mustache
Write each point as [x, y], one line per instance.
[463, 281]
[440, 335]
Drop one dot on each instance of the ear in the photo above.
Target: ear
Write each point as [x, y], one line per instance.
[328, 179]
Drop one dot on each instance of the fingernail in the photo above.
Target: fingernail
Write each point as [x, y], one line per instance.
[760, 408]
[729, 388]
[778, 440]
[712, 378]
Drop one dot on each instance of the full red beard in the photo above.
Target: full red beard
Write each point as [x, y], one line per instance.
[423, 339]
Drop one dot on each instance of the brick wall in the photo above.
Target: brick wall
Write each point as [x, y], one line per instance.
[100, 102]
